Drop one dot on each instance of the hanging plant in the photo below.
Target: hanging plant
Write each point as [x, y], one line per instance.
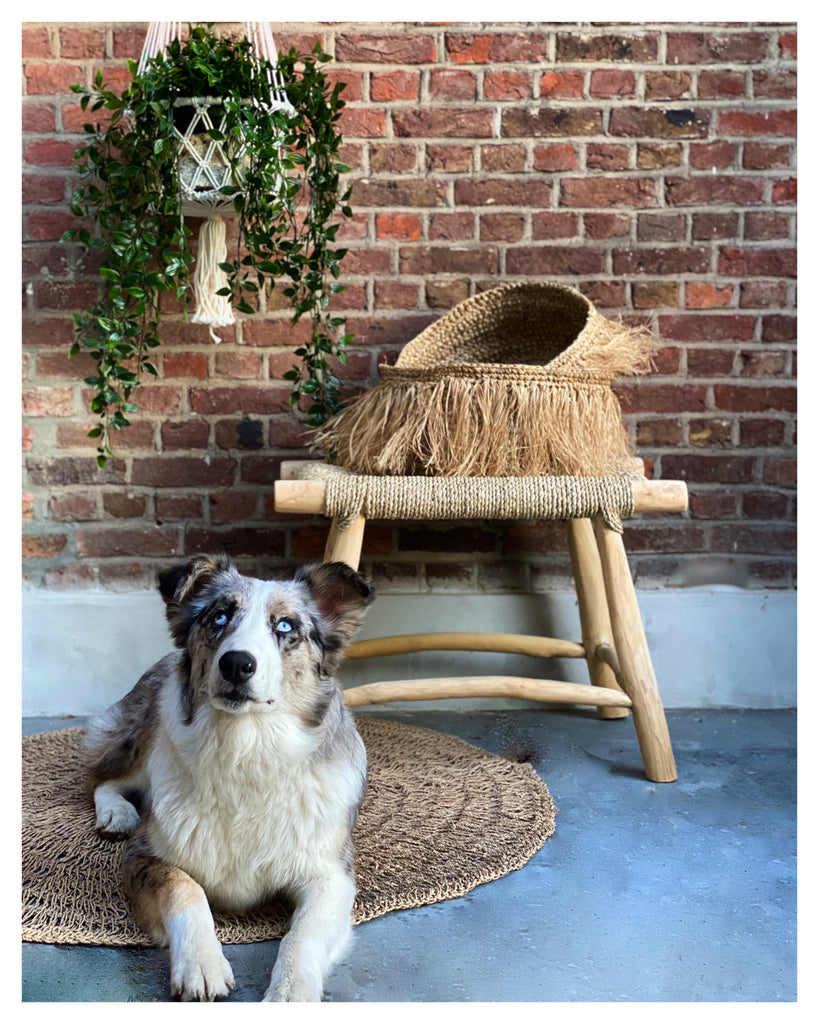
[276, 166]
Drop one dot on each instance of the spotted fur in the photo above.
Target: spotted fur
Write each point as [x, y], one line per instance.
[236, 772]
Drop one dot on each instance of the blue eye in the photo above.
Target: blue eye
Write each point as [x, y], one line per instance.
[284, 626]
[221, 619]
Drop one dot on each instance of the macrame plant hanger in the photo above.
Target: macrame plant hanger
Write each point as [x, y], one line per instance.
[204, 167]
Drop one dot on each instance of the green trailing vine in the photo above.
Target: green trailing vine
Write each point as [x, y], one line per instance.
[286, 191]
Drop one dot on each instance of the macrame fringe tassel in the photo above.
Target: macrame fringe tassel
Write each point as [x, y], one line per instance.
[457, 427]
[208, 278]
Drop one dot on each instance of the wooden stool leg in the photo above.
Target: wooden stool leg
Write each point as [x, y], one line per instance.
[345, 545]
[593, 607]
[638, 676]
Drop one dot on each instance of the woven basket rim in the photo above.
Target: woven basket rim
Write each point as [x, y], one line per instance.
[523, 373]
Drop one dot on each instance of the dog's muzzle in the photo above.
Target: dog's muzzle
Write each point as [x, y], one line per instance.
[237, 669]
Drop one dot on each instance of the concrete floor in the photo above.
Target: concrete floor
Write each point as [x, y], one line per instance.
[646, 893]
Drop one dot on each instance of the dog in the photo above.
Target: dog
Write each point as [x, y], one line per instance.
[235, 771]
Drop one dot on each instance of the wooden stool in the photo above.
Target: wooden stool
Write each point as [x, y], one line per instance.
[613, 640]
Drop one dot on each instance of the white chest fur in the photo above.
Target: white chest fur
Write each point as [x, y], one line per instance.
[244, 808]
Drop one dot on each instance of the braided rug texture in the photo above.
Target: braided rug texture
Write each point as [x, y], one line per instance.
[440, 817]
[422, 497]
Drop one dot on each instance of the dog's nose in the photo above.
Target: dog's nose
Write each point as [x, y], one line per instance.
[237, 666]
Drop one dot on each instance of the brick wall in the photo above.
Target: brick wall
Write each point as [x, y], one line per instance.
[651, 166]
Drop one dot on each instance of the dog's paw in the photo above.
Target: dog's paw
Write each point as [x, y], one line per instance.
[117, 820]
[292, 990]
[202, 979]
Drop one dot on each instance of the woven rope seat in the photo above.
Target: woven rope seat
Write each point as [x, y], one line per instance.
[349, 495]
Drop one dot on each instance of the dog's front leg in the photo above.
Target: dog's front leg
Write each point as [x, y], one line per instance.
[174, 910]
[318, 933]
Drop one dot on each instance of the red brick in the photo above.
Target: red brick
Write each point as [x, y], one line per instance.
[79, 44]
[775, 85]
[48, 402]
[703, 295]
[446, 294]
[712, 47]
[448, 259]
[661, 261]
[562, 85]
[737, 262]
[757, 122]
[518, 46]
[557, 260]
[185, 364]
[59, 472]
[757, 540]
[351, 81]
[784, 192]
[607, 157]
[763, 363]
[764, 505]
[245, 540]
[367, 261]
[707, 327]
[390, 158]
[779, 328]
[759, 433]
[607, 48]
[402, 48]
[712, 190]
[452, 122]
[43, 545]
[360, 123]
[554, 225]
[525, 122]
[183, 472]
[659, 156]
[400, 192]
[288, 432]
[395, 295]
[449, 158]
[36, 43]
[722, 469]
[502, 227]
[605, 225]
[780, 472]
[230, 506]
[173, 508]
[394, 85]
[109, 542]
[608, 82]
[665, 433]
[237, 365]
[449, 84]
[713, 155]
[766, 225]
[667, 85]
[39, 117]
[659, 122]
[43, 189]
[654, 294]
[507, 85]
[73, 507]
[713, 505]
[754, 294]
[51, 79]
[662, 398]
[561, 156]
[646, 537]
[406, 226]
[122, 505]
[748, 398]
[787, 46]
[606, 192]
[221, 400]
[510, 159]
[660, 227]
[715, 85]
[502, 192]
[468, 49]
[707, 362]
[705, 226]
[185, 434]
[49, 153]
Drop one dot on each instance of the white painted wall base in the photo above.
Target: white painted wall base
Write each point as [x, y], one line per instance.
[711, 647]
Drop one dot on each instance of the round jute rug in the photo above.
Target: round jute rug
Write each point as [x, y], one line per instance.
[440, 817]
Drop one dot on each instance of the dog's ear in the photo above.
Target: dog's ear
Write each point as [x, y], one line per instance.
[342, 596]
[181, 584]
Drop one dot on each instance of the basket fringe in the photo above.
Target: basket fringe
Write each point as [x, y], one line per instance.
[208, 278]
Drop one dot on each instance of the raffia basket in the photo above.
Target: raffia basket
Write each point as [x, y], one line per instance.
[515, 381]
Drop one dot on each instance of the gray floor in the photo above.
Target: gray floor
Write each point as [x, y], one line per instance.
[683, 892]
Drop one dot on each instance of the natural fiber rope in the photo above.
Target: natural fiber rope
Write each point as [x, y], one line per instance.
[440, 817]
[350, 495]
